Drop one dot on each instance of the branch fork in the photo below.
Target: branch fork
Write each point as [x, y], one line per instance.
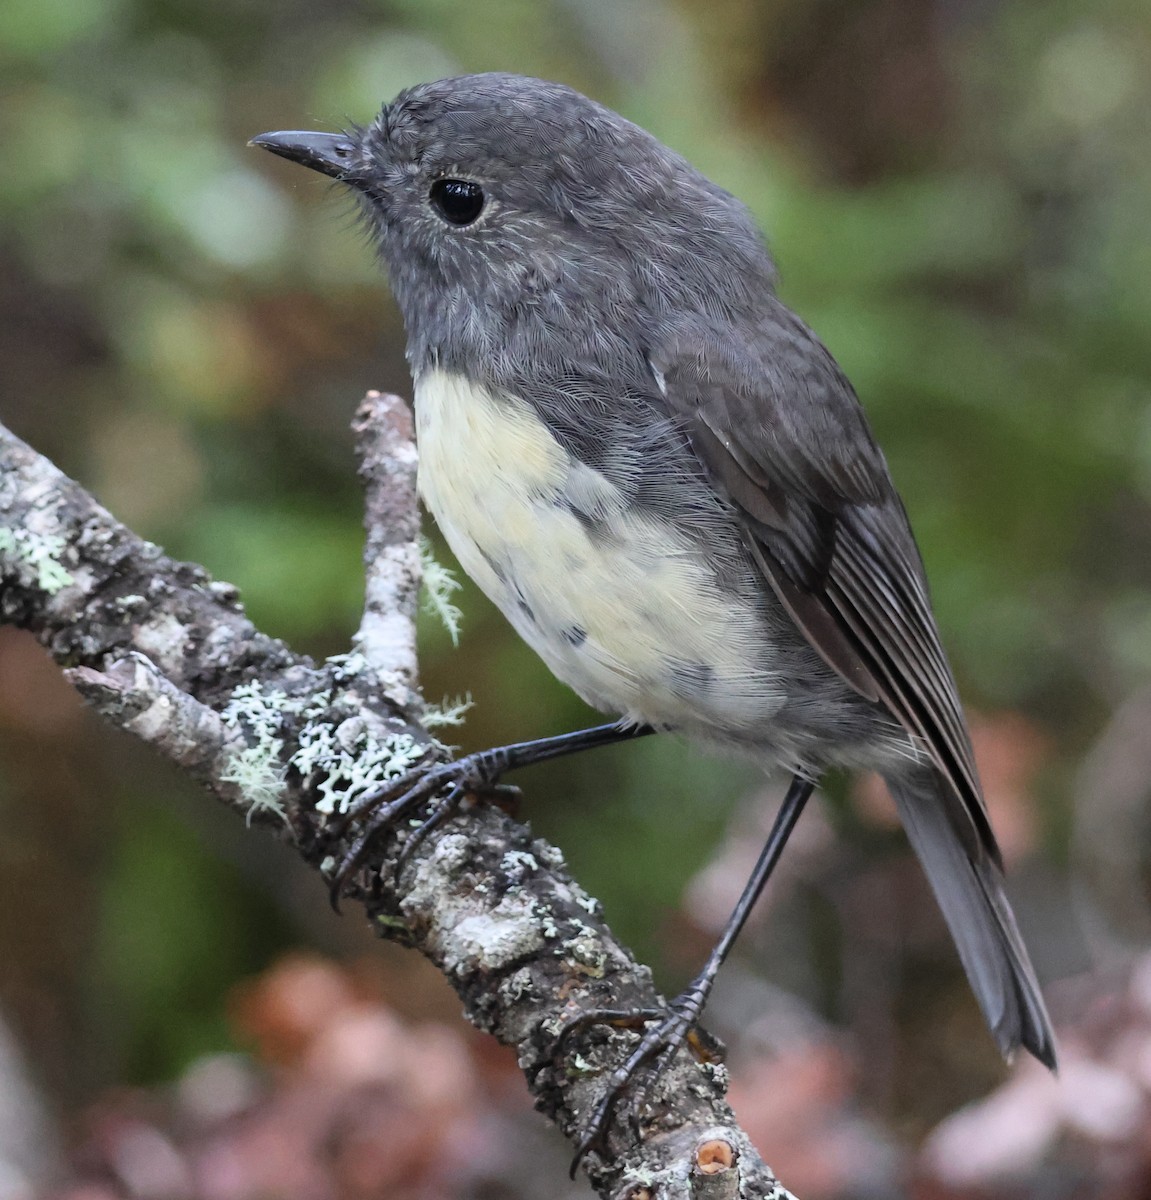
[165, 652]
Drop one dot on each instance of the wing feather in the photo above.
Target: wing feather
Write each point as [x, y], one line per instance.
[779, 430]
[781, 433]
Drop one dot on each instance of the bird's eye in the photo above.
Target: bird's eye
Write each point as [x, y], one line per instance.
[457, 200]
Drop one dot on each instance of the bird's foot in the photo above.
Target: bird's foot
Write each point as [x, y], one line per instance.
[445, 785]
[664, 1033]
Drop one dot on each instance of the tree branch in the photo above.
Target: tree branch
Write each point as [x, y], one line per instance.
[164, 651]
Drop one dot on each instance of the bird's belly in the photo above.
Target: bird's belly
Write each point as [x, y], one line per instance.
[620, 606]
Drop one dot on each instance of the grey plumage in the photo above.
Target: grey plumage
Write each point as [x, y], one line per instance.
[662, 476]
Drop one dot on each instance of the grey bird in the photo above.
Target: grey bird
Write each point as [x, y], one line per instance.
[665, 482]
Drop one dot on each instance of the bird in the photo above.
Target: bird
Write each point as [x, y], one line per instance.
[667, 485]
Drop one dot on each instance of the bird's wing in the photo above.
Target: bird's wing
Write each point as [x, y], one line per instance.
[782, 435]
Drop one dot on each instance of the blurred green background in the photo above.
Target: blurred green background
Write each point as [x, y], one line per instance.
[957, 193]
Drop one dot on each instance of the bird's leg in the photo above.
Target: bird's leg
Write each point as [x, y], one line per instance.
[667, 1032]
[448, 783]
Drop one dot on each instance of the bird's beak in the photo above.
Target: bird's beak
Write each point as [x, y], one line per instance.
[329, 153]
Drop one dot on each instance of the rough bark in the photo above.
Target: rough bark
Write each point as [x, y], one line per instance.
[164, 651]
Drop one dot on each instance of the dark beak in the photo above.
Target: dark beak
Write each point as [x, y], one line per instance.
[331, 154]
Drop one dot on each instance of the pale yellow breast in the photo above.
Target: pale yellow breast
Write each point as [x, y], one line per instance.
[634, 622]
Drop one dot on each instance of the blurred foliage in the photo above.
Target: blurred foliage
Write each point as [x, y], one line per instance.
[958, 198]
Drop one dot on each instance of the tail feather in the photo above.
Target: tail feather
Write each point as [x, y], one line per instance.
[970, 893]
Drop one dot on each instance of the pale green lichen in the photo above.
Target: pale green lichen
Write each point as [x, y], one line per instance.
[587, 953]
[343, 763]
[352, 761]
[515, 864]
[519, 984]
[347, 667]
[257, 769]
[547, 918]
[439, 585]
[36, 558]
[549, 854]
[447, 713]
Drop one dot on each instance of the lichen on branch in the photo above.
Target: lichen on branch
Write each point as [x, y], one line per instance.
[167, 653]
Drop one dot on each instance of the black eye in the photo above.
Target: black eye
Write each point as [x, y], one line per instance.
[458, 200]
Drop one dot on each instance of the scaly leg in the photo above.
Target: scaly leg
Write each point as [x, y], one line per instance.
[475, 774]
[666, 1034]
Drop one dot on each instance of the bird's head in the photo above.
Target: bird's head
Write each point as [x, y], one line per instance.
[516, 194]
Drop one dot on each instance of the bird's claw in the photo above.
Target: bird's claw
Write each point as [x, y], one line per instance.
[664, 1033]
[445, 784]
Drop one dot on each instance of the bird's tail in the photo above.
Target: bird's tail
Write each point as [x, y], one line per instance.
[970, 893]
